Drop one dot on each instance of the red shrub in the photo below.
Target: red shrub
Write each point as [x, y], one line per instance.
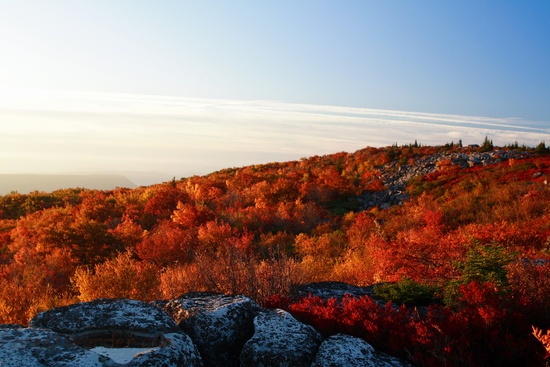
[486, 331]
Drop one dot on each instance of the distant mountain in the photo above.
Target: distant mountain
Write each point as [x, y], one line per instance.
[25, 183]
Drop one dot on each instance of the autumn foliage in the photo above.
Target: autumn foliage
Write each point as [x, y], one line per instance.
[486, 331]
[472, 242]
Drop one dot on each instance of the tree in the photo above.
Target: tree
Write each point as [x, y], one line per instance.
[44, 230]
[191, 215]
[128, 232]
[486, 264]
[12, 206]
[483, 265]
[91, 242]
[161, 203]
[487, 146]
[167, 244]
[541, 148]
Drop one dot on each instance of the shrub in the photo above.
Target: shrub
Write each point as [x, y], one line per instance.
[408, 292]
[19, 303]
[529, 282]
[180, 279]
[544, 339]
[483, 264]
[485, 332]
[121, 277]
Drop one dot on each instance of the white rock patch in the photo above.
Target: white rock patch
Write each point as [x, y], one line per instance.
[122, 355]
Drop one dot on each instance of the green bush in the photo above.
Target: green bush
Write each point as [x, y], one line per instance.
[483, 264]
[407, 292]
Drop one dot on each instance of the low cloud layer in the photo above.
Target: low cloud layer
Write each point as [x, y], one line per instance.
[84, 132]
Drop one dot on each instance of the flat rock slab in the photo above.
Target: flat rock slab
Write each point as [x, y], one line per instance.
[347, 351]
[28, 347]
[280, 340]
[118, 323]
[218, 324]
[106, 314]
[38, 347]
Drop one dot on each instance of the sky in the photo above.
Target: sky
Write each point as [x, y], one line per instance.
[172, 88]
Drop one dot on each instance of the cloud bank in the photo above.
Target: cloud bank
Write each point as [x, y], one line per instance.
[59, 132]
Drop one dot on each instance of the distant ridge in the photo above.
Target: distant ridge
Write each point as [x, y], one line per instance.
[25, 183]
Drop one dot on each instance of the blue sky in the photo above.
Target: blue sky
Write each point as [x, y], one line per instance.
[254, 81]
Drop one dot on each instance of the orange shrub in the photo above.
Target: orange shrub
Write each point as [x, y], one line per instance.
[179, 279]
[20, 302]
[121, 277]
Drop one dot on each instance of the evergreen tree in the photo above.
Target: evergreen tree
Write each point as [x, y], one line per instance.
[487, 145]
[541, 148]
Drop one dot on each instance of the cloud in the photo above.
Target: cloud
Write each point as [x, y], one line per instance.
[47, 132]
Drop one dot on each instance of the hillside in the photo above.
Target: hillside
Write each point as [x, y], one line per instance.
[463, 228]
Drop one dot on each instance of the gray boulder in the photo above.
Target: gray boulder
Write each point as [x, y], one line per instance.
[39, 347]
[347, 351]
[218, 324]
[280, 340]
[327, 290]
[122, 323]
[177, 349]
[106, 314]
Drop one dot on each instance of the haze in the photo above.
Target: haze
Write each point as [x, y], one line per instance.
[155, 90]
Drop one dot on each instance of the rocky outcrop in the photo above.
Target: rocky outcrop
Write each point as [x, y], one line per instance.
[176, 349]
[196, 329]
[396, 175]
[39, 347]
[106, 315]
[218, 324]
[347, 351]
[116, 323]
[31, 347]
[280, 340]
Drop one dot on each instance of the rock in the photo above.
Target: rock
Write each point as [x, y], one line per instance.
[218, 324]
[122, 323]
[159, 303]
[327, 290]
[106, 314]
[396, 176]
[347, 351]
[280, 340]
[337, 290]
[177, 350]
[11, 326]
[39, 347]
